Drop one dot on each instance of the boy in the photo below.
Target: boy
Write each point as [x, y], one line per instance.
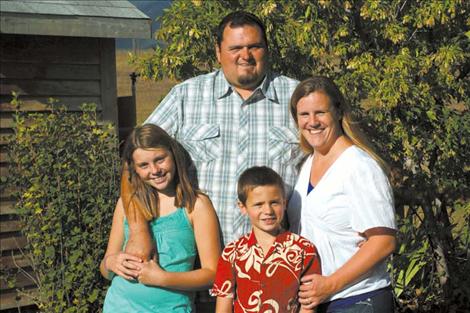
[261, 271]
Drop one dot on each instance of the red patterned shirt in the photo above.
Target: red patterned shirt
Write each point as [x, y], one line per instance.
[260, 283]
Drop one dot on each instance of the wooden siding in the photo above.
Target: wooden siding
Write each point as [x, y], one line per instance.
[71, 70]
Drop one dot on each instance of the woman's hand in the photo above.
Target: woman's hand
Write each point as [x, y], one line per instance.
[379, 243]
[123, 264]
[314, 290]
[151, 273]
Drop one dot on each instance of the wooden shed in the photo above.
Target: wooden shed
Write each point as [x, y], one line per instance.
[62, 49]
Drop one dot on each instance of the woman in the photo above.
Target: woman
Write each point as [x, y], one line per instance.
[182, 222]
[343, 203]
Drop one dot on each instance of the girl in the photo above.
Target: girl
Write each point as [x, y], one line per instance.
[182, 222]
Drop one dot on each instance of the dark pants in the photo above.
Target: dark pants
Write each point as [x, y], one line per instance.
[381, 303]
[205, 307]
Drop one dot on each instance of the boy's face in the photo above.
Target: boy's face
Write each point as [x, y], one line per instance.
[265, 206]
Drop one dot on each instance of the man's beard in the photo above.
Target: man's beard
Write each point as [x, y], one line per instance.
[248, 79]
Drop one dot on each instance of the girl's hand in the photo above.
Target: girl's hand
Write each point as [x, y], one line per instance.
[314, 290]
[152, 274]
[123, 264]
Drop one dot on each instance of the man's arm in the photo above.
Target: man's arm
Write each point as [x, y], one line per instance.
[206, 232]
[140, 243]
[115, 261]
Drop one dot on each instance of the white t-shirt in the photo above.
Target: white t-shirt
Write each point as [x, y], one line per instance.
[354, 195]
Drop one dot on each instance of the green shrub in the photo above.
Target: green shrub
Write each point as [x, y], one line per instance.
[64, 169]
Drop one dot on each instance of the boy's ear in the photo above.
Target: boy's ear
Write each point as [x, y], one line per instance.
[242, 207]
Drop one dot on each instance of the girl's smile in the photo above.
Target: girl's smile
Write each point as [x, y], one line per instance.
[155, 167]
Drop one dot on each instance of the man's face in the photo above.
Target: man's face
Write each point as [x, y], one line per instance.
[243, 56]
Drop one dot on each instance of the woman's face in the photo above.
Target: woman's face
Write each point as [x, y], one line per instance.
[156, 167]
[318, 121]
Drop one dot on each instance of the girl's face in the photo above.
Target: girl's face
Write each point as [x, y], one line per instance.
[317, 121]
[156, 167]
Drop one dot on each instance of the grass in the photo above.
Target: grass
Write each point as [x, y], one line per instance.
[148, 92]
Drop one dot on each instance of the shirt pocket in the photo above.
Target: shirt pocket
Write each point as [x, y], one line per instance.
[202, 141]
[283, 143]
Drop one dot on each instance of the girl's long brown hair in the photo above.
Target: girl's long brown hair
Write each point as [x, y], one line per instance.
[135, 192]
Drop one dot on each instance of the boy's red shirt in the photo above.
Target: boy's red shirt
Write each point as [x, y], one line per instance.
[260, 283]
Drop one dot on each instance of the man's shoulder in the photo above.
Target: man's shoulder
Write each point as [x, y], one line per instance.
[281, 80]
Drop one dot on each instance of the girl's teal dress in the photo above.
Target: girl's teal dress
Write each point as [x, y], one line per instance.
[176, 246]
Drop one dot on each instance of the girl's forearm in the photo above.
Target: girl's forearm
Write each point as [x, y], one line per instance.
[199, 279]
[105, 272]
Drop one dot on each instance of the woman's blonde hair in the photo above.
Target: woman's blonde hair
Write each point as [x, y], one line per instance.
[341, 108]
[143, 196]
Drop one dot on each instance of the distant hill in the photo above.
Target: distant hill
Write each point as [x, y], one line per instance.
[152, 9]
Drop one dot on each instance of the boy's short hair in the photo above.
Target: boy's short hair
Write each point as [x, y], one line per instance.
[257, 176]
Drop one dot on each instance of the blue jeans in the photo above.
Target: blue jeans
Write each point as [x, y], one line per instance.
[381, 303]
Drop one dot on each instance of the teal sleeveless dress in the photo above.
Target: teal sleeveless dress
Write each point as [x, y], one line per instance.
[176, 246]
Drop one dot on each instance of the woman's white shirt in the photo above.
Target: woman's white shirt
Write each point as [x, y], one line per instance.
[354, 195]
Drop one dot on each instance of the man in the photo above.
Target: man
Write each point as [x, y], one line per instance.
[232, 119]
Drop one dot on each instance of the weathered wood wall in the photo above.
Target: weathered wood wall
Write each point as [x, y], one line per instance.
[72, 70]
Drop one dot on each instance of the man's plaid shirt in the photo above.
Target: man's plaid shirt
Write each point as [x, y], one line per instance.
[226, 135]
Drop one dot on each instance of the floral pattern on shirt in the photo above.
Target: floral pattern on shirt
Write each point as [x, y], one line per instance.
[265, 283]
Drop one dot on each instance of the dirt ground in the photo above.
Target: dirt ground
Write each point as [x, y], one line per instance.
[148, 92]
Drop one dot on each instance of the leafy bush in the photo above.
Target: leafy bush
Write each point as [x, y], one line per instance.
[64, 169]
[404, 66]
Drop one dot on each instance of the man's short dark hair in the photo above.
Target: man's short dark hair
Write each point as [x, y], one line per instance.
[257, 176]
[238, 19]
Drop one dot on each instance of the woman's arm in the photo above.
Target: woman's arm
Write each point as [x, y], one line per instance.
[114, 259]
[206, 232]
[315, 288]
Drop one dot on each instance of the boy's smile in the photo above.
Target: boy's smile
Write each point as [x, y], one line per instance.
[265, 206]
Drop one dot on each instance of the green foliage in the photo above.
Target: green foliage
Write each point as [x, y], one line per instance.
[404, 67]
[65, 169]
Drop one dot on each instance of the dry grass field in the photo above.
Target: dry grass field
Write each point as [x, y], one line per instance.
[148, 92]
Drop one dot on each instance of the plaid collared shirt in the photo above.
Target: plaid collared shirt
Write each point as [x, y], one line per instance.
[225, 135]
